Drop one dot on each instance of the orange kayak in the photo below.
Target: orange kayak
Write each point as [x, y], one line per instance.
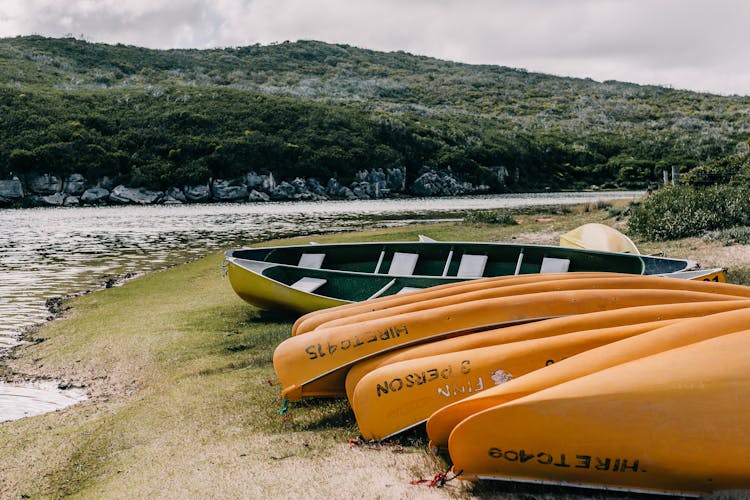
[398, 396]
[507, 288]
[315, 319]
[686, 332]
[302, 359]
[528, 331]
[673, 422]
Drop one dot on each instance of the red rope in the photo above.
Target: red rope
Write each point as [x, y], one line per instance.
[438, 481]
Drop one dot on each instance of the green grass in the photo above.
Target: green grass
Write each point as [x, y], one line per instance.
[183, 394]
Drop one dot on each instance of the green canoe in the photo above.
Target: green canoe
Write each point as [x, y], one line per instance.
[306, 278]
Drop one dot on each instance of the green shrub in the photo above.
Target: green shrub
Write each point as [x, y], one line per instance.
[597, 205]
[682, 211]
[738, 235]
[490, 217]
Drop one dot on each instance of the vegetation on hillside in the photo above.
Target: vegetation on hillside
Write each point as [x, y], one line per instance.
[714, 197]
[170, 117]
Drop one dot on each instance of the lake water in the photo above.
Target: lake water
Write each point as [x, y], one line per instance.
[52, 252]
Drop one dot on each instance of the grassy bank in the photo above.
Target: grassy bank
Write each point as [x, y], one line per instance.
[184, 401]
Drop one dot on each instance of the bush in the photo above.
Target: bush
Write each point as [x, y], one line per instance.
[597, 205]
[738, 235]
[682, 211]
[490, 217]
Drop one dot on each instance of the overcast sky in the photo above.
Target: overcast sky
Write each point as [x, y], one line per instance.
[700, 45]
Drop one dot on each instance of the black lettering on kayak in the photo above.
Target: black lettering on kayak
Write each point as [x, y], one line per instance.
[453, 390]
[625, 466]
[310, 350]
[544, 458]
[582, 461]
[382, 389]
[319, 351]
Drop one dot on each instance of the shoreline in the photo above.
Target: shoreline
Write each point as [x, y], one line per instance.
[47, 393]
[183, 398]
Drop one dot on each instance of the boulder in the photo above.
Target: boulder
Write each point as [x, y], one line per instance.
[299, 185]
[361, 175]
[35, 200]
[269, 183]
[106, 183]
[75, 184]
[306, 196]
[228, 190]
[362, 190]
[95, 196]
[395, 180]
[378, 183]
[262, 183]
[138, 196]
[333, 187]
[53, 200]
[11, 189]
[315, 187]
[346, 193]
[72, 201]
[44, 184]
[176, 194]
[258, 196]
[427, 184]
[254, 181]
[169, 200]
[377, 176]
[432, 183]
[283, 191]
[197, 194]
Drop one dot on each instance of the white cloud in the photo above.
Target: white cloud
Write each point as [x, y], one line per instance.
[696, 44]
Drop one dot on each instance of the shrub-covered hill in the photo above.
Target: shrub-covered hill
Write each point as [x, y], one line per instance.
[166, 117]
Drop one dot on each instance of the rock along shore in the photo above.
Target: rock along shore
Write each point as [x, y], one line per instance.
[75, 190]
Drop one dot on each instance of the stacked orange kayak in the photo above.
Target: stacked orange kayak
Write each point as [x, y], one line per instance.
[597, 380]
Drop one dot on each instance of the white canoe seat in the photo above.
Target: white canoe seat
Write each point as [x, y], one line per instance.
[518, 264]
[380, 262]
[408, 289]
[552, 265]
[382, 290]
[311, 260]
[308, 284]
[403, 264]
[471, 266]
